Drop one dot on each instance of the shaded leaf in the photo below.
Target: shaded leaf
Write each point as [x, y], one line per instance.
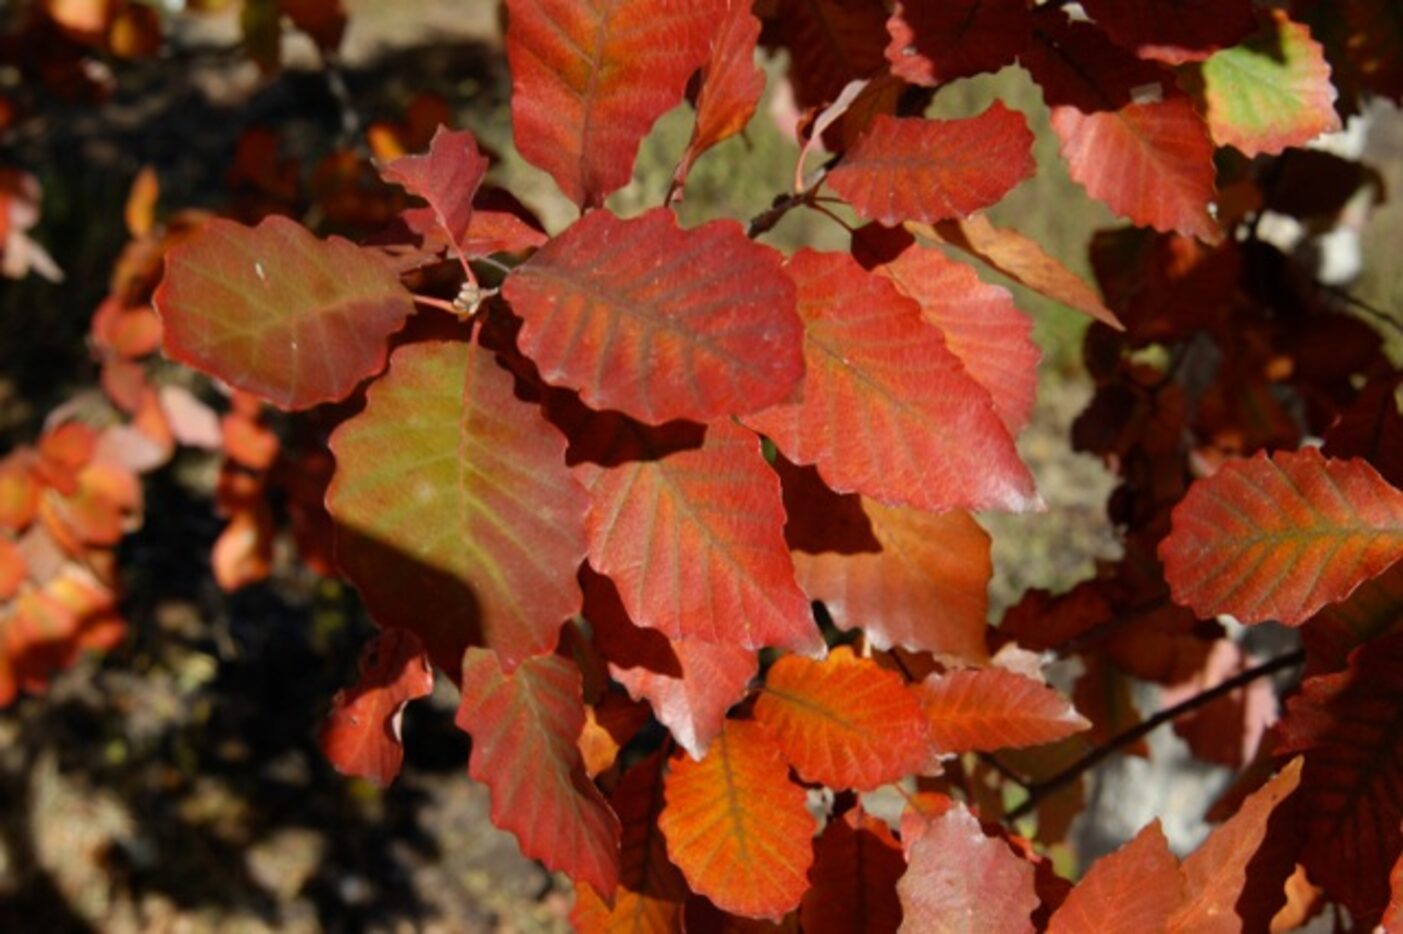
[361, 734]
[1134, 889]
[456, 515]
[1227, 730]
[932, 43]
[844, 722]
[278, 313]
[906, 577]
[887, 410]
[1279, 537]
[737, 826]
[525, 728]
[589, 78]
[1270, 92]
[830, 43]
[1374, 609]
[731, 85]
[852, 887]
[1174, 31]
[657, 322]
[959, 880]
[911, 169]
[988, 709]
[447, 177]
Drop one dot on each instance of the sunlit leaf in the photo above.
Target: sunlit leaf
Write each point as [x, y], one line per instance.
[446, 177]
[987, 709]
[731, 85]
[1132, 890]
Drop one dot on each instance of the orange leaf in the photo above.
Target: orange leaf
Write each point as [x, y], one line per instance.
[731, 85]
[361, 734]
[844, 722]
[737, 827]
[983, 710]
[1132, 890]
[19, 492]
[526, 728]
[13, 568]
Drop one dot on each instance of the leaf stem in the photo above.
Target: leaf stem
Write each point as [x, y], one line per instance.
[1040, 790]
[439, 303]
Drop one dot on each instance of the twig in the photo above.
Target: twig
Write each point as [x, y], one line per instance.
[992, 761]
[1380, 315]
[782, 205]
[1040, 790]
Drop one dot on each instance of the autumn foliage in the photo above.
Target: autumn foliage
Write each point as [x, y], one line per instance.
[689, 520]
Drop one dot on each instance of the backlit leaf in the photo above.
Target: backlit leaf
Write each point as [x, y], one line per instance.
[988, 709]
[737, 826]
[853, 880]
[1279, 537]
[525, 727]
[1270, 92]
[887, 410]
[694, 541]
[589, 78]
[1228, 885]
[361, 735]
[1350, 727]
[906, 577]
[456, 515]
[278, 313]
[911, 169]
[447, 177]
[690, 685]
[844, 722]
[1132, 890]
[958, 881]
[731, 85]
[932, 43]
[657, 322]
[1173, 31]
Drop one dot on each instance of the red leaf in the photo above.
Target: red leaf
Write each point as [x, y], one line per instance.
[525, 728]
[1228, 730]
[1393, 916]
[959, 880]
[1373, 610]
[1174, 31]
[932, 43]
[1350, 727]
[906, 577]
[910, 169]
[456, 515]
[830, 43]
[1280, 537]
[276, 312]
[1228, 885]
[694, 542]
[590, 78]
[853, 880]
[737, 826]
[1134, 889]
[983, 710]
[887, 410]
[844, 722]
[447, 177]
[361, 735]
[658, 322]
[651, 891]
[731, 85]
[992, 338]
[690, 684]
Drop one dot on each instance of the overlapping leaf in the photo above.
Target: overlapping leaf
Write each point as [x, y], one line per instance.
[987, 709]
[830, 43]
[731, 85]
[932, 43]
[911, 169]
[361, 735]
[857, 864]
[1279, 537]
[589, 78]
[1174, 31]
[844, 722]
[1134, 889]
[887, 410]
[525, 727]
[447, 177]
[737, 826]
[981, 326]
[1350, 727]
[278, 313]
[1270, 92]
[690, 685]
[906, 577]
[694, 541]
[657, 322]
[457, 517]
[959, 881]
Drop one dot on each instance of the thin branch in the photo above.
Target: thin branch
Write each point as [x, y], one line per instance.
[1040, 790]
[1380, 315]
[782, 205]
[992, 761]
[441, 304]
